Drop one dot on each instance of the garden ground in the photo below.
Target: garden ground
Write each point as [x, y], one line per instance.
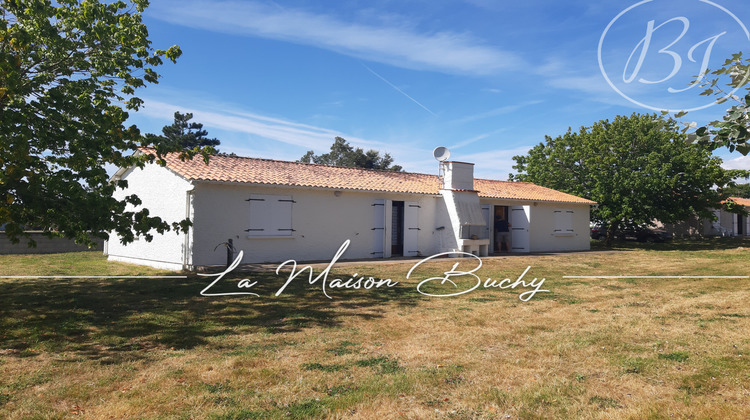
[629, 348]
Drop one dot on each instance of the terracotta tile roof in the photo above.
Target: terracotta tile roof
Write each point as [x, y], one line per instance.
[491, 188]
[741, 201]
[225, 168]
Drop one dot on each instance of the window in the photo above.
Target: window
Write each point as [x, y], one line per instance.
[563, 223]
[270, 216]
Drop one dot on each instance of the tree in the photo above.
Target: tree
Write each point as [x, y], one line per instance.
[733, 130]
[739, 190]
[343, 154]
[68, 76]
[185, 134]
[638, 169]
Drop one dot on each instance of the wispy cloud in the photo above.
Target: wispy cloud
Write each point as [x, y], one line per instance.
[495, 112]
[475, 139]
[283, 131]
[593, 84]
[495, 164]
[397, 45]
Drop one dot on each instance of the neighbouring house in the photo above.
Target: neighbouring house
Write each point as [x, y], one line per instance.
[724, 223]
[276, 210]
[729, 224]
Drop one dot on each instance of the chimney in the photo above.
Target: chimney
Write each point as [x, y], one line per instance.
[458, 176]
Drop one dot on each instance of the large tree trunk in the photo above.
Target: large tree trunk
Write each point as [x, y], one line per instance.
[611, 232]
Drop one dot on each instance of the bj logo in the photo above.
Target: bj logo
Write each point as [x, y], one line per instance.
[654, 53]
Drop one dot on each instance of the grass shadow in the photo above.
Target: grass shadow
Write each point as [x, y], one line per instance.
[101, 318]
[703, 244]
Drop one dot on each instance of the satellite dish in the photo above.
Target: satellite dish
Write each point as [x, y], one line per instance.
[441, 153]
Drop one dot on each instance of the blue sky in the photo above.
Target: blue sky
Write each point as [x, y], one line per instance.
[487, 79]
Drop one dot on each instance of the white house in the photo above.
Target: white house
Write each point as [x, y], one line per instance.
[276, 210]
[729, 224]
[724, 223]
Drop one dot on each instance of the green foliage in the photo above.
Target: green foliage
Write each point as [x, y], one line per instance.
[68, 75]
[733, 207]
[638, 169]
[733, 130]
[739, 190]
[343, 154]
[184, 134]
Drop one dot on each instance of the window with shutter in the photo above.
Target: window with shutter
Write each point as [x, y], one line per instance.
[270, 215]
[563, 223]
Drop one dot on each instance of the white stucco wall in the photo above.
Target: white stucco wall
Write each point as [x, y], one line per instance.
[443, 233]
[543, 237]
[165, 195]
[322, 222]
[726, 221]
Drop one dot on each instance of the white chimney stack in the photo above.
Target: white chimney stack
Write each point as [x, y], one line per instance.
[458, 176]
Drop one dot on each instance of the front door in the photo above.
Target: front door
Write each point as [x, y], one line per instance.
[519, 228]
[740, 225]
[486, 208]
[397, 228]
[502, 235]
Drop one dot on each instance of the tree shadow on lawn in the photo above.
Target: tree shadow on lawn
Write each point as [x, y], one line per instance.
[703, 244]
[101, 318]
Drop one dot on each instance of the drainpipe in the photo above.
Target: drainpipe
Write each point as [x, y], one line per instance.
[186, 251]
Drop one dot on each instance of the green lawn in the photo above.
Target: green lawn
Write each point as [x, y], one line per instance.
[589, 348]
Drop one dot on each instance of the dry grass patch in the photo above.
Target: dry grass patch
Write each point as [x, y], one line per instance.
[602, 348]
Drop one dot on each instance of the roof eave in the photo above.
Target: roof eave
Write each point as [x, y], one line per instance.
[533, 200]
[267, 185]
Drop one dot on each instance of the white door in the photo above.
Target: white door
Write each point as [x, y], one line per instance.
[716, 228]
[378, 230]
[519, 228]
[486, 215]
[411, 229]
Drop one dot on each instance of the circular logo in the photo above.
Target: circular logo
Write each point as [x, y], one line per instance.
[656, 54]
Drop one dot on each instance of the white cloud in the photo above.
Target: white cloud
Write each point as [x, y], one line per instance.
[476, 138]
[495, 112]
[291, 133]
[742, 162]
[594, 84]
[401, 46]
[287, 137]
[495, 164]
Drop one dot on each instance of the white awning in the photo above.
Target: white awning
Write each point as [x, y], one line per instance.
[468, 209]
